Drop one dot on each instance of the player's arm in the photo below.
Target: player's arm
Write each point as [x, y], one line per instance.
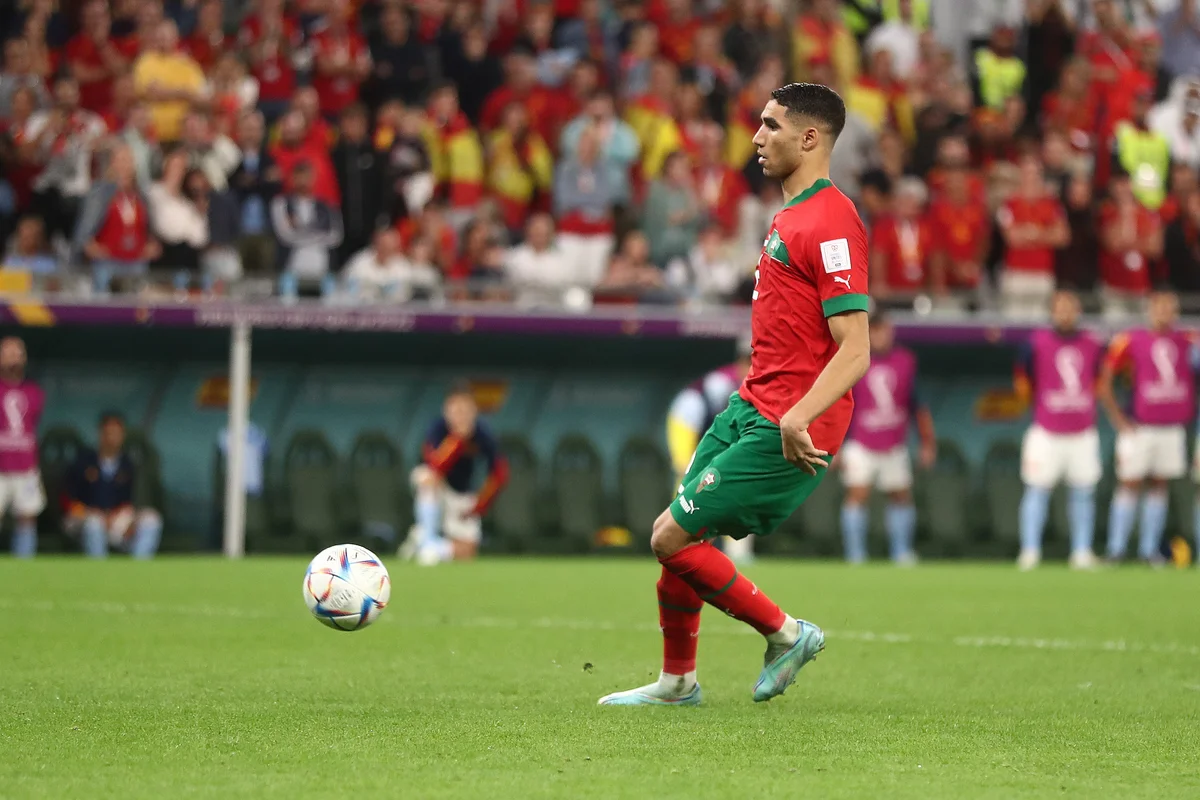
[1023, 374]
[497, 471]
[925, 430]
[1115, 360]
[442, 449]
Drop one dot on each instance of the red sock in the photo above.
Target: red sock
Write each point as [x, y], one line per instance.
[679, 617]
[717, 581]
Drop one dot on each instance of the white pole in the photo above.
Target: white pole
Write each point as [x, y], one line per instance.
[239, 416]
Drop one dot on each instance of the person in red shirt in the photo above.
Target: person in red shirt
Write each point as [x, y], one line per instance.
[1131, 242]
[294, 148]
[114, 224]
[677, 31]
[961, 231]
[208, 41]
[271, 41]
[521, 86]
[1033, 224]
[96, 59]
[902, 244]
[1072, 107]
[341, 59]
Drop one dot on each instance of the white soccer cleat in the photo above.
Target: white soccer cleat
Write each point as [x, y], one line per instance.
[1029, 559]
[1083, 559]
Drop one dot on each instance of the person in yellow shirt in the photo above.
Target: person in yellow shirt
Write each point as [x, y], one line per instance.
[170, 82]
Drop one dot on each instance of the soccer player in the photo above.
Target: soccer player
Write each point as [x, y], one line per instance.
[1151, 444]
[766, 453]
[876, 453]
[445, 500]
[20, 480]
[690, 415]
[1057, 369]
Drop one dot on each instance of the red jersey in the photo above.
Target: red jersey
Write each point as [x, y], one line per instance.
[337, 93]
[1043, 212]
[205, 50]
[126, 227]
[905, 247]
[961, 232]
[813, 266]
[1128, 270]
[325, 185]
[81, 49]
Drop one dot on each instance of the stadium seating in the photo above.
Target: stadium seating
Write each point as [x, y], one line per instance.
[380, 513]
[645, 481]
[1003, 490]
[59, 447]
[578, 484]
[311, 481]
[513, 518]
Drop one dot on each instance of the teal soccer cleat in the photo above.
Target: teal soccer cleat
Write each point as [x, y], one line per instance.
[779, 671]
[640, 697]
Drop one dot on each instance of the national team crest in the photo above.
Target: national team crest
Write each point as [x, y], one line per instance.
[711, 479]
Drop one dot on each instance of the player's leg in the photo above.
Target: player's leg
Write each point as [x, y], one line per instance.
[1133, 464]
[679, 605]
[462, 526]
[428, 544]
[1041, 467]
[27, 499]
[1168, 462]
[900, 517]
[1083, 473]
[858, 476]
[23, 546]
[146, 535]
[93, 533]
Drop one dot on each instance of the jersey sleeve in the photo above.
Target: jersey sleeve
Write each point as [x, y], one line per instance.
[497, 465]
[442, 449]
[838, 255]
[1023, 370]
[1117, 357]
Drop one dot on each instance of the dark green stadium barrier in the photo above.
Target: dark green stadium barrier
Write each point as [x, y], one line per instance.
[819, 520]
[947, 490]
[57, 451]
[261, 535]
[379, 507]
[513, 518]
[1003, 490]
[311, 480]
[577, 481]
[646, 487]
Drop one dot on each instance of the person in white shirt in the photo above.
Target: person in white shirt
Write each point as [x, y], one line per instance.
[178, 213]
[308, 229]
[538, 268]
[1178, 119]
[382, 272]
[899, 37]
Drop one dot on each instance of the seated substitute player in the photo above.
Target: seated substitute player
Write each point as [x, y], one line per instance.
[99, 493]
[690, 415]
[1151, 447]
[20, 479]
[1057, 369]
[876, 450]
[445, 502]
[765, 453]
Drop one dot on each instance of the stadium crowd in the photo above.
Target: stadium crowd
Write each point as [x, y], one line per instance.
[594, 150]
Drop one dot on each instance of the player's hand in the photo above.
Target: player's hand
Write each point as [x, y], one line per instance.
[798, 447]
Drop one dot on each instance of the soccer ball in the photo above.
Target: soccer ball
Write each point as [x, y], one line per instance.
[346, 587]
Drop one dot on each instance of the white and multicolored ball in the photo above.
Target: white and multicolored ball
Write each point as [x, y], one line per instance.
[347, 587]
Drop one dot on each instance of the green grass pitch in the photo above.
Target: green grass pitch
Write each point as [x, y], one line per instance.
[198, 678]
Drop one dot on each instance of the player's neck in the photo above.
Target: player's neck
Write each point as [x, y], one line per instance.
[803, 178]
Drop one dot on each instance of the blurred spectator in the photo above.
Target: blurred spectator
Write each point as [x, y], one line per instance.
[589, 35]
[472, 71]
[295, 147]
[712, 73]
[631, 276]
[431, 230]
[652, 117]
[18, 74]
[879, 97]
[583, 203]
[138, 136]
[820, 36]
[748, 37]
[617, 142]
[521, 169]
[1144, 155]
[17, 167]
[273, 44]
[124, 100]
[1131, 240]
[361, 177]
[380, 272]
[255, 181]
[341, 59]
[409, 183]
[403, 67]
[59, 142]
[521, 86]
[999, 72]
[710, 272]
[672, 214]
[719, 188]
[114, 229]
[570, 102]
[318, 132]
[51, 25]
[552, 65]
[1074, 264]
[170, 81]
[1033, 224]
[900, 37]
[99, 494]
[1181, 39]
[206, 42]
[1184, 179]
[179, 213]
[308, 230]
[538, 268]
[960, 228]
[221, 261]
[456, 155]
[37, 38]
[29, 251]
[677, 25]
[1178, 119]
[1181, 247]
[1049, 41]
[233, 91]
[1073, 107]
[743, 119]
[902, 244]
[96, 58]
[637, 59]
[212, 153]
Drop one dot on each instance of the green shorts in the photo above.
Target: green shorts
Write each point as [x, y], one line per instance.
[739, 483]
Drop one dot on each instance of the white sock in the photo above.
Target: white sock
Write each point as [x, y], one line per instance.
[677, 684]
[787, 634]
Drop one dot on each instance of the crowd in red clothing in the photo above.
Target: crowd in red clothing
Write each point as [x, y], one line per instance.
[987, 172]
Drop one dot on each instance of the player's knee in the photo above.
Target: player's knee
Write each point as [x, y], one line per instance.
[857, 495]
[900, 497]
[668, 538]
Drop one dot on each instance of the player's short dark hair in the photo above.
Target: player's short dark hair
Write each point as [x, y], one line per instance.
[112, 416]
[460, 389]
[814, 101]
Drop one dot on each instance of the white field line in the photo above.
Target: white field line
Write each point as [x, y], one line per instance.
[550, 623]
